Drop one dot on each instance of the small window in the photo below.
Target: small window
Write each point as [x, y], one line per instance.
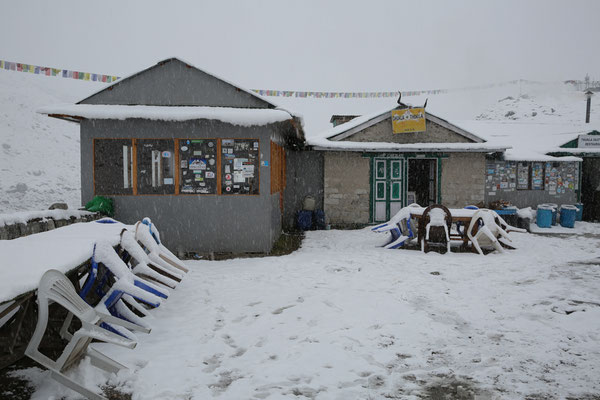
[537, 176]
[240, 166]
[523, 176]
[198, 166]
[113, 166]
[155, 166]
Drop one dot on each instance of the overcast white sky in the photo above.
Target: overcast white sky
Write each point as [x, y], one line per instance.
[314, 45]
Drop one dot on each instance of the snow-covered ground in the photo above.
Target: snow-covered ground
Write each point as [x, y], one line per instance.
[344, 319]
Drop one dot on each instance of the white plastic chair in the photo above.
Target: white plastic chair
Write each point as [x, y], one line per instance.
[488, 233]
[437, 217]
[56, 287]
[141, 264]
[149, 237]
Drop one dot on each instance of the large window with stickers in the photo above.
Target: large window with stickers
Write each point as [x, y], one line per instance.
[240, 166]
[198, 166]
[113, 166]
[183, 166]
[155, 166]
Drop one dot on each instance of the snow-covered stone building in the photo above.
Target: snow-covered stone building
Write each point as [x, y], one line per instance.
[370, 172]
[204, 158]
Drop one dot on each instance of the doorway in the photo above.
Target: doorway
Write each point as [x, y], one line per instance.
[387, 189]
[590, 188]
[422, 181]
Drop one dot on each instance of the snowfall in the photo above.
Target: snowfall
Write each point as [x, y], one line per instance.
[340, 318]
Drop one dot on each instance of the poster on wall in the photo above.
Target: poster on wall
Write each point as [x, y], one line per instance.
[537, 176]
[408, 120]
[501, 176]
[239, 166]
[523, 176]
[198, 165]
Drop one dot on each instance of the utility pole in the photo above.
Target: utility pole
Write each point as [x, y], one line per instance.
[588, 108]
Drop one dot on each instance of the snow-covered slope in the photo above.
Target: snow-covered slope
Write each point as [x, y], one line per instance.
[39, 156]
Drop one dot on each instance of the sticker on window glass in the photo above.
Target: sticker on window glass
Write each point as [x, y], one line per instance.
[197, 164]
[227, 142]
[209, 174]
[168, 181]
[184, 148]
[166, 154]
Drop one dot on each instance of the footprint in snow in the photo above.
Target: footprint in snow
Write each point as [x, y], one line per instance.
[281, 309]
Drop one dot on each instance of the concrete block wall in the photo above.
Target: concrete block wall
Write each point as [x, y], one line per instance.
[463, 179]
[346, 188]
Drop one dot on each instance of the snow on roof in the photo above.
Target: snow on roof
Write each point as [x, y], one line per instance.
[530, 141]
[325, 144]
[24, 260]
[121, 79]
[234, 116]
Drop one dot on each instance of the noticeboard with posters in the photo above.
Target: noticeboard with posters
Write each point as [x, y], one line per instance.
[240, 166]
[198, 166]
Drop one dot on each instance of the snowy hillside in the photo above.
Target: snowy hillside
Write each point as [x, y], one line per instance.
[39, 156]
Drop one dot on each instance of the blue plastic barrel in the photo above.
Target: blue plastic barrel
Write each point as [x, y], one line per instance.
[554, 208]
[544, 216]
[568, 215]
[319, 218]
[579, 211]
[304, 220]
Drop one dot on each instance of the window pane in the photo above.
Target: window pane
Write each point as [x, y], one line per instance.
[523, 176]
[395, 191]
[396, 170]
[537, 176]
[155, 166]
[380, 167]
[113, 166]
[239, 166]
[198, 166]
[380, 195]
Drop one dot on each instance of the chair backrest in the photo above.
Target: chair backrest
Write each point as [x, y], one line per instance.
[56, 287]
[152, 229]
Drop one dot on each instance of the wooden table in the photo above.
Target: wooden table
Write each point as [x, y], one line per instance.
[462, 215]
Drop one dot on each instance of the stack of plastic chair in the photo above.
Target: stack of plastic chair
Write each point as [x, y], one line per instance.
[149, 237]
[134, 256]
[489, 231]
[400, 228]
[124, 292]
[56, 287]
[437, 218]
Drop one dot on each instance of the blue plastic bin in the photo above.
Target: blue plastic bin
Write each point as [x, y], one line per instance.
[579, 211]
[554, 208]
[568, 215]
[544, 216]
[319, 219]
[304, 220]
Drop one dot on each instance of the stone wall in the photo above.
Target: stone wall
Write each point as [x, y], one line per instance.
[463, 179]
[382, 132]
[37, 225]
[346, 188]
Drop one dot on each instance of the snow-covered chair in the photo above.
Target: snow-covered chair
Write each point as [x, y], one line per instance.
[149, 237]
[136, 258]
[400, 228]
[55, 287]
[119, 289]
[504, 225]
[488, 232]
[438, 222]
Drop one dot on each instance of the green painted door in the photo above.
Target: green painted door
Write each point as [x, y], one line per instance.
[387, 190]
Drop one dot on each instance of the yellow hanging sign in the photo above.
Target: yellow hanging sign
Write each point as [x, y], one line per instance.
[408, 120]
